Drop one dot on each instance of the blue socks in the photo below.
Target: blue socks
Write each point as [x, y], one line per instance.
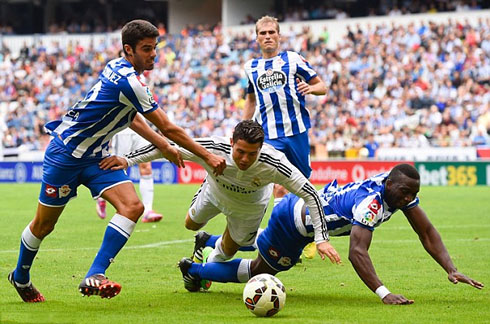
[29, 245]
[216, 271]
[116, 235]
[237, 270]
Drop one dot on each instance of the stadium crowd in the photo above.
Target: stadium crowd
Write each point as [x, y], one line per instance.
[389, 85]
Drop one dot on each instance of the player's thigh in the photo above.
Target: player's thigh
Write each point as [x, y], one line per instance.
[98, 180]
[280, 244]
[202, 208]
[243, 231]
[298, 152]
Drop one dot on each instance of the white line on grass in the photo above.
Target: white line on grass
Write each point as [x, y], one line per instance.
[158, 244]
[129, 247]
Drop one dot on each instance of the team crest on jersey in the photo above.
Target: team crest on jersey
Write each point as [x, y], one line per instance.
[271, 81]
[256, 182]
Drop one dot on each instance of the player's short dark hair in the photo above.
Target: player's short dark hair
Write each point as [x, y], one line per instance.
[249, 131]
[404, 169]
[136, 30]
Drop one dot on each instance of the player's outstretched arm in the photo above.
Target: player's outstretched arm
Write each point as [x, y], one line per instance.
[179, 136]
[140, 126]
[360, 240]
[432, 242]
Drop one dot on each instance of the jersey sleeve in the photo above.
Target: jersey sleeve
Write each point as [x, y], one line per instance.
[303, 68]
[412, 204]
[293, 180]
[145, 154]
[367, 211]
[135, 93]
[250, 86]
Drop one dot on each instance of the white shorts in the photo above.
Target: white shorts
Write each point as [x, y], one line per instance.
[242, 231]
[127, 141]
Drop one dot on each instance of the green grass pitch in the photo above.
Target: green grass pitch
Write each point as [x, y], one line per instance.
[317, 291]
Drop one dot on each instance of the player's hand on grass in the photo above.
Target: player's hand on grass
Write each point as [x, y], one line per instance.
[326, 249]
[114, 163]
[216, 162]
[456, 277]
[392, 299]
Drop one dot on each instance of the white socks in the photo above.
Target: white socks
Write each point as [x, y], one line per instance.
[218, 255]
[146, 190]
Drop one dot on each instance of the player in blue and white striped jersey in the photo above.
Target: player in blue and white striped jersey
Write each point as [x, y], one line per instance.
[356, 210]
[80, 142]
[278, 83]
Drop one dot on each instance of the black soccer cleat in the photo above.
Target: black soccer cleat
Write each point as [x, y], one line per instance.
[29, 294]
[99, 285]
[200, 240]
[190, 283]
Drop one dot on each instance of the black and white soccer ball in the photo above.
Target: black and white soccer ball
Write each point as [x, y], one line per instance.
[264, 295]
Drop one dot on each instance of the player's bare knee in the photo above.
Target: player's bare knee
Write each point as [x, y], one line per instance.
[132, 210]
[42, 229]
[191, 225]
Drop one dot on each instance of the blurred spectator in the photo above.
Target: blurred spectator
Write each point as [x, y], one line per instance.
[414, 86]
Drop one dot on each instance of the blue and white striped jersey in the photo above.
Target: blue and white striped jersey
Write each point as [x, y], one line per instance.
[357, 203]
[280, 107]
[108, 108]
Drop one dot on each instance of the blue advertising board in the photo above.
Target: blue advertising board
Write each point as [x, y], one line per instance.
[20, 172]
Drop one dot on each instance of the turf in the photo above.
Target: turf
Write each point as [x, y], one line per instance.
[317, 291]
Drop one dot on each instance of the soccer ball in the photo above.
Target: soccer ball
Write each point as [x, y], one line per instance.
[264, 295]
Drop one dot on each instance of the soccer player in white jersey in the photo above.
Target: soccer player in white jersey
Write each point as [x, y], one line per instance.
[278, 83]
[356, 210]
[123, 143]
[80, 142]
[242, 193]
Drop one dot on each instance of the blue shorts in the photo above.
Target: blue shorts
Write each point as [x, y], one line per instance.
[280, 244]
[297, 150]
[62, 174]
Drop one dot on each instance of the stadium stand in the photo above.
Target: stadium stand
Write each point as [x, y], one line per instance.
[409, 86]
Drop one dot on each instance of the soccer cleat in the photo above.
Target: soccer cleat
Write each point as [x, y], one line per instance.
[200, 240]
[29, 294]
[309, 251]
[190, 283]
[99, 285]
[100, 207]
[151, 217]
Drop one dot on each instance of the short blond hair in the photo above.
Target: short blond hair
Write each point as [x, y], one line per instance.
[266, 19]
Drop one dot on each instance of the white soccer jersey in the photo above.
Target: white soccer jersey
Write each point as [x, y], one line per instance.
[280, 108]
[248, 192]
